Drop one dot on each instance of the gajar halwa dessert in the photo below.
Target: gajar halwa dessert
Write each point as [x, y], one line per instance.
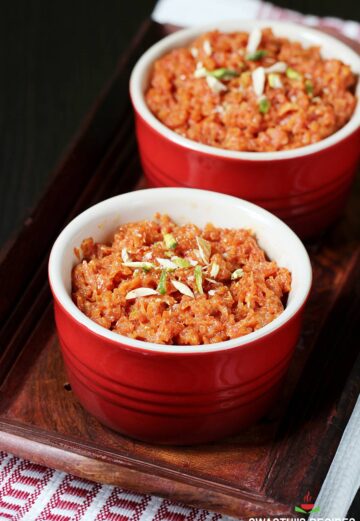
[179, 285]
[251, 92]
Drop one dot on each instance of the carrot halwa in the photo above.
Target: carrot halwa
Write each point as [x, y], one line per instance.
[256, 92]
[169, 284]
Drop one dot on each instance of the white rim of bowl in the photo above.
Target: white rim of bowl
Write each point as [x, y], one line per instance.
[58, 288]
[174, 40]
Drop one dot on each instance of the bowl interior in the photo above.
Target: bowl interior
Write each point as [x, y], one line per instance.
[182, 205]
[330, 48]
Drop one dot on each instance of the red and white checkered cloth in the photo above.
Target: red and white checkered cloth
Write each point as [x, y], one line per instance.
[30, 492]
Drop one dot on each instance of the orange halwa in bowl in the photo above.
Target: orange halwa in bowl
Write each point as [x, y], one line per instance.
[260, 109]
[255, 92]
[179, 285]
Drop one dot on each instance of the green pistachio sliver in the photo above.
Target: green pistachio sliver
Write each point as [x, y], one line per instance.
[214, 270]
[223, 73]
[198, 279]
[146, 266]
[292, 74]
[182, 263]
[161, 287]
[255, 56]
[170, 241]
[309, 87]
[274, 81]
[264, 105]
[237, 274]
[133, 315]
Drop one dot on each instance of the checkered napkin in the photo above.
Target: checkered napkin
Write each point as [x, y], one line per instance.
[30, 492]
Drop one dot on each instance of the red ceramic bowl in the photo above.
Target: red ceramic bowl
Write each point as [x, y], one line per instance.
[306, 187]
[177, 394]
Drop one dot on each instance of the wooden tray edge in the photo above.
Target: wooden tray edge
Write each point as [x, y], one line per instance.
[194, 491]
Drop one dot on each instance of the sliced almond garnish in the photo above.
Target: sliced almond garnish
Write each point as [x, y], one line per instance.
[207, 47]
[166, 263]
[276, 67]
[215, 85]
[254, 40]
[140, 292]
[258, 81]
[183, 288]
[214, 269]
[200, 71]
[204, 249]
[125, 255]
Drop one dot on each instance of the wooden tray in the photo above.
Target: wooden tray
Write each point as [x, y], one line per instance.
[267, 469]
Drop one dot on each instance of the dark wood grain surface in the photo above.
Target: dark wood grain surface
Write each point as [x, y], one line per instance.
[55, 57]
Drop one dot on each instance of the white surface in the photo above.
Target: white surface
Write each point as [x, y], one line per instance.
[184, 205]
[198, 12]
[330, 48]
[343, 478]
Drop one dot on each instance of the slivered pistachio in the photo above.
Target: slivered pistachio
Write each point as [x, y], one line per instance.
[309, 87]
[161, 287]
[237, 274]
[292, 74]
[170, 241]
[223, 73]
[275, 81]
[264, 105]
[256, 56]
[180, 262]
[198, 279]
[146, 266]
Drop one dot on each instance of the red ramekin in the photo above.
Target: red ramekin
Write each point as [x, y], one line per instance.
[177, 394]
[306, 187]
